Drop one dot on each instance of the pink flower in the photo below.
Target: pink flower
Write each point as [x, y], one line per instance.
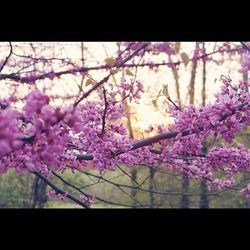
[165, 47]
[245, 63]
[34, 102]
[246, 191]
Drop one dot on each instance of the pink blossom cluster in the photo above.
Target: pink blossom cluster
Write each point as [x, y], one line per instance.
[230, 160]
[224, 118]
[231, 103]
[53, 194]
[48, 135]
[154, 48]
[10, 131]
[222, 183]
[89, 200]
[86, 123]
[246, 191]
[164, 47]
[131, 90]
[245, 62]
[33, 140]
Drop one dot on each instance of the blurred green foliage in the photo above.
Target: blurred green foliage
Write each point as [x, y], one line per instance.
[16, 191]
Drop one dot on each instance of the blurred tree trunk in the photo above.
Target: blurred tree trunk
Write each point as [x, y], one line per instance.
[134, 171]
[245, 79]
[203, 92]
[192, 81]
[185, 189]
[176, 78]
[30, 181]
[40, 194]
[204, 202]
[134, 191]
[151, 187]
[83, 64]
[185, 180]
[246, 175]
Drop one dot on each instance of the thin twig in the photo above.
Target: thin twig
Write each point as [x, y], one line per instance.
[245, 46]
[105, 110]
[128, 175]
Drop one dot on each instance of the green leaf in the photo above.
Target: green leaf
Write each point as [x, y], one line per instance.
[154, 102]
[128, 72]
[88, 82]
[110, 61]
[177, 47]
[185, 58]
[114, 71]
[165, 90]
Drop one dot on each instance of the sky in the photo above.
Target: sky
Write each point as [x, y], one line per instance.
[147, 114]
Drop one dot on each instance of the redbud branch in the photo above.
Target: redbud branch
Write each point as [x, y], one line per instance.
[245, 46]
[59, 191]
[174, 103]
[170, 135]
[105, 110]
[164, 136]
[105, 79]
[17, 78]
[7, 58]
[130, 177]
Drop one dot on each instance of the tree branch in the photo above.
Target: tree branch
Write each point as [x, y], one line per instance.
[110, 74]
[59, 191]
[7, 58]
[245, 46]
[164, 136]
[17, 78]
[105, 110]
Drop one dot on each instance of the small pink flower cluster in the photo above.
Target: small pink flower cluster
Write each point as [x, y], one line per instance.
[222, 183]
[231, 160]
[89, 200]
[246, 191]
[245, 62]
[130, 90]
[53, 194]
[10, 131]
[164, 47]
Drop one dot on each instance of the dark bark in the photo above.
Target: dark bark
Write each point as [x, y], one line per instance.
[40, 194]
[192, 81]
[185, 190]
[176, 78]
[134, 191]
[151, 187]
[246, 175]
[134, 171]
[204, 202]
